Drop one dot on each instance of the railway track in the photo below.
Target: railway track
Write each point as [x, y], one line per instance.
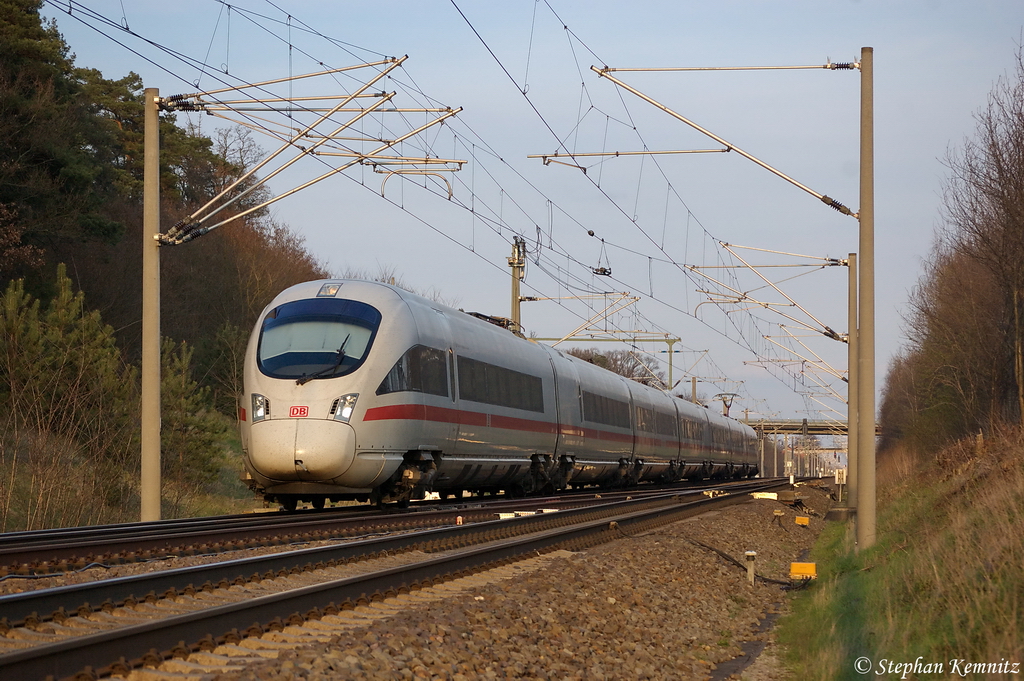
[229, 606]
[64, 550]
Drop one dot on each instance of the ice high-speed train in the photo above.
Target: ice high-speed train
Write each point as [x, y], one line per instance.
[361, 390]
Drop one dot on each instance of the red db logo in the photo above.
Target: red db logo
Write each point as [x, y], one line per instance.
[300, 412]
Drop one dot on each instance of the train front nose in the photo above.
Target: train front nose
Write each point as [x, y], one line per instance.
[301, 449]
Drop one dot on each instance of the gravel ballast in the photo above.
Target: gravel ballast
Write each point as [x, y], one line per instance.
[662, 605]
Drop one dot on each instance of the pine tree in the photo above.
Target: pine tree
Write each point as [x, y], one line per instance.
[50, 173]
[191, 431]
[68, 408]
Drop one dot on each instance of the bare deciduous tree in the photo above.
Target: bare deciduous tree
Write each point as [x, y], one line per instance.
[963, 370]
[623, 362]
[984, 201]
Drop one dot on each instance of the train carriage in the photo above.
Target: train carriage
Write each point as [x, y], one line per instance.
[602, 413]
[656, 445]
[362, 390]
[507, 409]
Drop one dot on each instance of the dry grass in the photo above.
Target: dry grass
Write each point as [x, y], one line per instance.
[896, 468]
[48, 481]
[955, 587]
[45, 483]
[823, 635]
[945, 580]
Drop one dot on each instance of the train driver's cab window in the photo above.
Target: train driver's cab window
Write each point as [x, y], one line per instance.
[316, 338]
[421, 369]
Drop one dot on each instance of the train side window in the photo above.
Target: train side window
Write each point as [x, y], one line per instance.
[665, 424]
[421, 369]
[606, 410]
[492, 384]
[644, 419]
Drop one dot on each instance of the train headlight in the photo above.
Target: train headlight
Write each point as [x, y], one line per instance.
[343, 407]
[260, 408]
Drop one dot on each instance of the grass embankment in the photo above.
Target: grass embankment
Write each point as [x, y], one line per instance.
[44, 486]
[944, 583]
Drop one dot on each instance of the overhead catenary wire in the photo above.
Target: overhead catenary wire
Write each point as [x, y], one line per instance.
[502, 221]
[827, 201]
[832, 203]
[81, 10]
[188, 230]
[829, 65]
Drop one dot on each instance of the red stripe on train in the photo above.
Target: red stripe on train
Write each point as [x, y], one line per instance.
[423, 412]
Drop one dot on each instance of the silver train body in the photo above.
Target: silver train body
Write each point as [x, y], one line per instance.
[361, 390]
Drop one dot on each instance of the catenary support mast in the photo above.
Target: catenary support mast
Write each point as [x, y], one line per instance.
[852, 392]
[150, 491]
[866, 303]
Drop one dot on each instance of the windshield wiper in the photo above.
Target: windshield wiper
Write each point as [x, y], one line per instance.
[329, 370]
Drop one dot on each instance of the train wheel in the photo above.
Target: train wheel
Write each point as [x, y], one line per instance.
[288, 503]
[319, 503]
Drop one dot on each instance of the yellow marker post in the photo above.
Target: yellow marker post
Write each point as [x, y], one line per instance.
[803, 571]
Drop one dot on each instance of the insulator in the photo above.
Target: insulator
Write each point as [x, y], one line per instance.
[182, 105]
[194, 234]
[182, 232]
[832, 203]
[177, 228]
[848, 65]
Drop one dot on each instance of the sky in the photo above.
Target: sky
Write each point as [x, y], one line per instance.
[521, 72]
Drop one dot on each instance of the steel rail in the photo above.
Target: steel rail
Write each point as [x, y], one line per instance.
[181, 634]
[238, 532]
[63, 549]
[175, 525]
[112, 531]
[46, 604]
